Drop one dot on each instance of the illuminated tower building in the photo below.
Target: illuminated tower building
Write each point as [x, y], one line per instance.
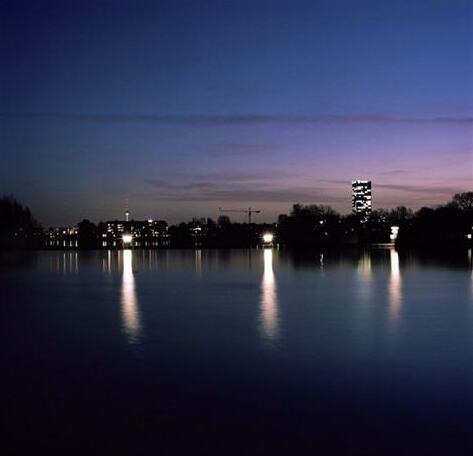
[361, 198]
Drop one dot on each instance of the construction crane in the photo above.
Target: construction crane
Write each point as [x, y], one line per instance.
[248, 211]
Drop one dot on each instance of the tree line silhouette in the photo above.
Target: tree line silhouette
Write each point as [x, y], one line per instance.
[316, 226]
[18, 227]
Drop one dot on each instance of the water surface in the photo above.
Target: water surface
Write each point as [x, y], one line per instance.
[237, 351]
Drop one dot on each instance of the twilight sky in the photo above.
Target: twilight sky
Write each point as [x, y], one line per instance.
[181, 107]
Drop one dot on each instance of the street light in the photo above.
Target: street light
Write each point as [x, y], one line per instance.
[127, 238]
[268, 238]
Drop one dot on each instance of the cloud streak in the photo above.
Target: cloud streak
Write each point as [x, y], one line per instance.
[431, 189]
[394, 172]
[207, 120]
[277, 195]
[237, 190]
[225, 150]
[259, 186]
[225, 176]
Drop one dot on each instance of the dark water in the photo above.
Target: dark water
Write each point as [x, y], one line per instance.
[236, 352]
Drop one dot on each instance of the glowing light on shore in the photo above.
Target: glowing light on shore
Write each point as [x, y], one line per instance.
[268, 238]
[394, 233]
[127, 238]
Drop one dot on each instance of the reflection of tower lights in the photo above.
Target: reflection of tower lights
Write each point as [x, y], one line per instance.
[269, 311]
[364, 265]
[198, 261]
[395, 295]
[365, 275]
[130, 315]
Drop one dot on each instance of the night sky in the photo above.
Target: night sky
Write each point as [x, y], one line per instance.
[181, 107]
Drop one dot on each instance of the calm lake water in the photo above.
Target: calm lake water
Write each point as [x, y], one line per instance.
[236, 352]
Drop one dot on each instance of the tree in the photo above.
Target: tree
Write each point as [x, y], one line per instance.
[18, 228]
[223, 220]
[87, 234]
[317, 210]
[463, 201]
[309, 225]
[399, 215]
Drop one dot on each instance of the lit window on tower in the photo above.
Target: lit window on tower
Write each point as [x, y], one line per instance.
[361, 198]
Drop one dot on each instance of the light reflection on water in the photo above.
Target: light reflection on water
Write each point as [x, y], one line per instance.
[198, 261]
[365, 274]
[470, 263]
[395, 288]
[107, 262]
[269, 299]
[65, 262]
[129, 302]
[228, 329]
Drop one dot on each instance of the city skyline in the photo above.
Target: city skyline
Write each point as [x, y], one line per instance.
[180, 109]
[361, 197]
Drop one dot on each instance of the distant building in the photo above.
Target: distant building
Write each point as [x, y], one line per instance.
[133, 233]
[64, 237]
[361, 198]
[111, 234]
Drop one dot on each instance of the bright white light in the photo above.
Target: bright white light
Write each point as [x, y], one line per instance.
[150, 220]
[394, 233]
[127, 238]
[268, 238]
